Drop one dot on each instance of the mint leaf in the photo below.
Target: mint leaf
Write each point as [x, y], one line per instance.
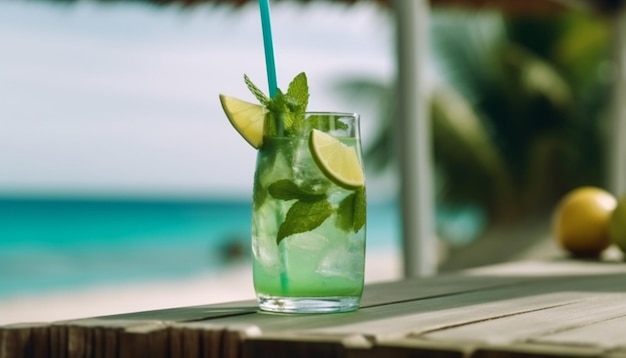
[258, 196]
[276, 106]
[284, 108]
[260, 96]
[287, 190]
[279, 107]
[345, 213]
[360, 209]
[304, 216]
[299, 91]
[322, 123]
[270, 125]
[351, 213]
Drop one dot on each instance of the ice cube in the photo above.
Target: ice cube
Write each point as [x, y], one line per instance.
[265, 223]
[272, 171]
[306, 242]
[306, 174]
[343, 261]
[266, 254]
[303, 252]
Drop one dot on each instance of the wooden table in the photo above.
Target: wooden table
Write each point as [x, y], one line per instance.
[566, 308]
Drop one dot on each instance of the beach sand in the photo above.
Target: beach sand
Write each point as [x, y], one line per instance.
[230, 284]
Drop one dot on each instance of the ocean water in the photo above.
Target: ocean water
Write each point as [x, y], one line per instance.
[57, 244]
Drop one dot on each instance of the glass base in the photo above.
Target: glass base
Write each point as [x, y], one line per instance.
[308, 304]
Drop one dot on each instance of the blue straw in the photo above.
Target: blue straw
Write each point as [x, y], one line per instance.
[269, 47]
[273, 89]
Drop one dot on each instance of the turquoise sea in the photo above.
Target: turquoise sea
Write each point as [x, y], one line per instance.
[58, 244]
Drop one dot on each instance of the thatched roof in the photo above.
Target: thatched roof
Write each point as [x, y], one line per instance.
[508, 6]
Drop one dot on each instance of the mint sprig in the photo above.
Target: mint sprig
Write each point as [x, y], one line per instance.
[288, 190]
[351, 213]
[308, 212]
[298, 94]
[258, 195]
[256, 91]
[304, 216]
[285, 109]
[310, 208]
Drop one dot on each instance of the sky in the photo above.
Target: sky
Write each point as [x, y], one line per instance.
[122, 99]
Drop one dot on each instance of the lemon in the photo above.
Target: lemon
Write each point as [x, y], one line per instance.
[339, 162]
[617, 225]
[581, 222]
[247, 118]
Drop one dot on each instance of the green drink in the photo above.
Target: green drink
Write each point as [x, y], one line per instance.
[309, 207]
[308, 249]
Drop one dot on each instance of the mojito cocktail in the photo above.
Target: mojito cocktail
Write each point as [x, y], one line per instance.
[308, 232]
[309, 207]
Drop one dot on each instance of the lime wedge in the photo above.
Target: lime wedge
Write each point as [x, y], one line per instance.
[247, 118]
[339, 162]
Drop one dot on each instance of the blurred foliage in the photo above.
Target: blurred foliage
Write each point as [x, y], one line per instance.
[518, 108]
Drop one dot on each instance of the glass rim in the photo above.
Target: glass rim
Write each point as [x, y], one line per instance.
[332, 113]
[353, 119]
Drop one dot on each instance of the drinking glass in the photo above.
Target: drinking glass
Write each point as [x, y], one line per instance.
[308, 232]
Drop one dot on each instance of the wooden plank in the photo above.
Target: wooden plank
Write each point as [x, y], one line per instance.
[79, 342]
[233, 338]
[509, 293]
[397, 320]
[374, 295]
[288, 345]
[349, 346]
[444, 285]
[40, 339]
[620, 353]
[393, 313]
[532, 325]
[191, 345]
[606, 334]
[98, 343]
[201, 339]
[150, 340]
[108, 338]
[176, 343]
[411, 347]
[58, 341]
[13, 341]
[211, 343]
[88, 337]
[406, 352]
[110, 343]
[189, 340]
[417, 347]
[192, 313]
[393, 292]
[535, 351]
[23, 340]
[415, 317]
[208, 340]
[564, 267]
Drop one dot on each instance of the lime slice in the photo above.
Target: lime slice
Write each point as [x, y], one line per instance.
[339, 162]
[247, 118]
